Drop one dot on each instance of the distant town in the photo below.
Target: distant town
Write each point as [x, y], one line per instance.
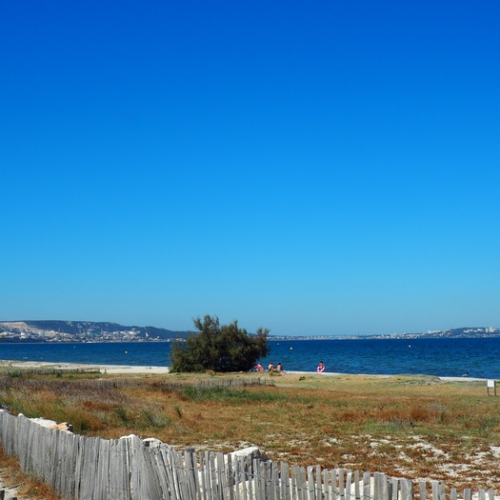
[454, 333]
[83, 331]
[87, 331]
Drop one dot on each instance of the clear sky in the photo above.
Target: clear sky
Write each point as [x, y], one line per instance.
[322, 168]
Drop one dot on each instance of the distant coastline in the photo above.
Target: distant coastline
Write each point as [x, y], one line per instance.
[455, 333]
[54, 331]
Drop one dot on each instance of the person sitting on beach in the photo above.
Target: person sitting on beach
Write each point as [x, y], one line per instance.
[271, 367]
[321, 367]
[258, 367]
[280, 368]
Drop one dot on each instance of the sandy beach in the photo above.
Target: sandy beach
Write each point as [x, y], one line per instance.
[111, 369]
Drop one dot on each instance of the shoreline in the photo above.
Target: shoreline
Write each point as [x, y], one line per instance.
[163, 370]
[112, 369]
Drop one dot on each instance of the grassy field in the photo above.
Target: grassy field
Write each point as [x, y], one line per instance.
[416, 427]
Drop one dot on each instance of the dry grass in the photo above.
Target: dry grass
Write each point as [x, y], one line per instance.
[405, 426]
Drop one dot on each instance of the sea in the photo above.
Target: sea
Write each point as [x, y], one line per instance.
[443, 357]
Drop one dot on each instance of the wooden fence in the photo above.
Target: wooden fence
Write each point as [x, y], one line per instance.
[129, 468]
[9, 382]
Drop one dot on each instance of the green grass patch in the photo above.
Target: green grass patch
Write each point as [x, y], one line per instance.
[226, 395]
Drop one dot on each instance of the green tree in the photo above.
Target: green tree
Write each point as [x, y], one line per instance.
[225, 348]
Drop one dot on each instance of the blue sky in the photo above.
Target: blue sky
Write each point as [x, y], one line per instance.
[322, 168]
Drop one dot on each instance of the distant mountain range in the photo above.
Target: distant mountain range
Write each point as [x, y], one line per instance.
[88, 331]
[84, 331]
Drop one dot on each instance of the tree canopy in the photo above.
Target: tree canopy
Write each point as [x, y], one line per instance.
[225, 348]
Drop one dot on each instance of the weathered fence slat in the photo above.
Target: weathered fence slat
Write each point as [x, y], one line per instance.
[134, 449]
[245, 480]
[182, 477]
[214, 477]
[326, 484]
[169, 488]
[406, 489]
[222, 476]
[367, 485]
[150, 473]
[357, 490]
[251, 481]
[258, 483]
[275, 481]
[422, 489]
[385, 488]
[119, 482]
[237, 479]
[88, 459]
[196, 477]
[395, 489]
[229, 477]
[202, 477]
[341, 484]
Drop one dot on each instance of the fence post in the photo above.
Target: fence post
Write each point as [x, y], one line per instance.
[258, 483]
[222, 475]
[493, 385]
[212, 471]
[285, 482]
[406, 489]
[191, 473]
[357, 494]
[386, 488]
[367, 480]
[442, 492]
[376, 486]
[395, 490]
[230, 477]
[341, 485]
[335, 493]
[293, 484]
[251, 479]
[310, 483]
[348, 486]
[275, 477]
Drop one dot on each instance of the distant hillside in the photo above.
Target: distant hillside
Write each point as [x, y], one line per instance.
[474, 331]
[89, 331]
[86, 330]
[452, 333]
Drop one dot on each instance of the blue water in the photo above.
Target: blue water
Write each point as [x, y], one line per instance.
[441, 357]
